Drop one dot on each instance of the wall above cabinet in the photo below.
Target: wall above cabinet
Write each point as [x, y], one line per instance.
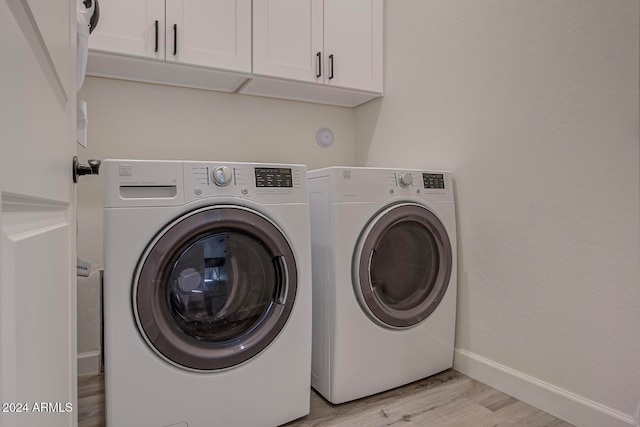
[323, 51]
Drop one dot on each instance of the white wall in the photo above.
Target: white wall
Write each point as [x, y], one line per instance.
[533, 105]
[143, 121]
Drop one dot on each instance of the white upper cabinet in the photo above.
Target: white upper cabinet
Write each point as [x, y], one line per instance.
[287, 39]
[130, 28]
[332, 42]
[353, 44]
[209, 33]
[323, 51]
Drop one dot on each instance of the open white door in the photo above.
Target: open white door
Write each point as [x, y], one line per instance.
[37, 213]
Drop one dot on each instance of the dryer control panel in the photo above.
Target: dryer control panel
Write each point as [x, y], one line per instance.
[359, 184]
[265, 183]
[433, 181]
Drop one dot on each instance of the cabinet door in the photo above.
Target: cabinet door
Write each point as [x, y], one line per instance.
[287, 39]
[131, 28]
[210, 33]
[353, 35]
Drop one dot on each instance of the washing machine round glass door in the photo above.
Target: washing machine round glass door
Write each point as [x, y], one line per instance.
[402, 265]
[215, 288]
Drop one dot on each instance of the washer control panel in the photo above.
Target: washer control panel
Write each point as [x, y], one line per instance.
[272, 183]
[273, 177]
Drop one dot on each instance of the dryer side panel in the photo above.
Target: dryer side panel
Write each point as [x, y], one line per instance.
[322, 273]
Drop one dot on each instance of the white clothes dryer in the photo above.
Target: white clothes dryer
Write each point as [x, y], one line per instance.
[384, 278]
[207, 294]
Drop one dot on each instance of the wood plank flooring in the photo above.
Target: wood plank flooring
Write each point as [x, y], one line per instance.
[447, 399]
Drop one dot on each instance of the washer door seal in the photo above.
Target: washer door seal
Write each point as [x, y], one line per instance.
[215, 288]
[402, 265]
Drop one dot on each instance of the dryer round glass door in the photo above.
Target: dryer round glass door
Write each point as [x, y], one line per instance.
[215, 288]
[402, 265]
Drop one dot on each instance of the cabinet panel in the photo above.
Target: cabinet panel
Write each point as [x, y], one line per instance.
[353, 35]
[287, 36]
[128, 27]
[309, 92]
[211, 33]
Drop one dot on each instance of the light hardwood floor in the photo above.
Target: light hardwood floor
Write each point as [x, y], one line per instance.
[447, 399]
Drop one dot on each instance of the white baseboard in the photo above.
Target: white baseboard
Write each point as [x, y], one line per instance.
[89, 363]
[561, 403]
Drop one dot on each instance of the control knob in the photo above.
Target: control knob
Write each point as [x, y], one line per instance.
[221, 176]
[406, 180]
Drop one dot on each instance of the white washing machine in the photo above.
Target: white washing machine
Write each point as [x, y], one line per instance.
[384, 278]
[207, 294]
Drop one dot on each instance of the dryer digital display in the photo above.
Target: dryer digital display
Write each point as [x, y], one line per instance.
[274, 177]
[433, 180]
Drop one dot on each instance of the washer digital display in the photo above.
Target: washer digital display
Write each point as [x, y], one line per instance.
[274, 177]
[433, 180]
